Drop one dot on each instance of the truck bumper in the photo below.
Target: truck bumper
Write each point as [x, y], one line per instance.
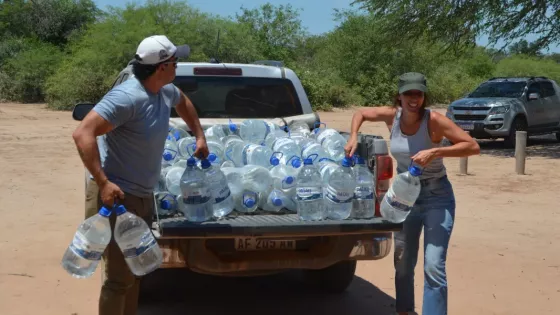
[219, 256]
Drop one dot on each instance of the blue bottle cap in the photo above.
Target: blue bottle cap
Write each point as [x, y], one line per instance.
[346, 162]
[191, 161]
[289, 180]
[177, 135]
[167, 156]
[308, 161]
[165, 204]
[232, 127]
[360, 160]
[121, 209]
[169, 137]
[296, 163]
[212, 157]
[415, 170]
[205, 163]
[277, 202]
[274, 161]
[104, 212]
[249, 202]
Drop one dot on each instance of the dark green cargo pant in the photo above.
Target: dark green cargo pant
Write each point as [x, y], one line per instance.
[119, 292]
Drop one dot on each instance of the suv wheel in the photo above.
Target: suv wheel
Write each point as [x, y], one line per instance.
[518, 124]
[333, 279]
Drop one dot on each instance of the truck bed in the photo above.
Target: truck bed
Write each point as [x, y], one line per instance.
[271, 225]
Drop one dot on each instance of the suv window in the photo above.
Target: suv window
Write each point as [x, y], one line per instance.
[499, 89]
[547, 89]
[236, 97]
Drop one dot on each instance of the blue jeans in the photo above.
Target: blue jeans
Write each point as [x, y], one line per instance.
[434, 211]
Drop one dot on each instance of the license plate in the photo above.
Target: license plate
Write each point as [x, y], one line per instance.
[467, 126]
[255, 244]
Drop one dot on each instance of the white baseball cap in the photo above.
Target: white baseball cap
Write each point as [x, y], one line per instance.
[158, 48]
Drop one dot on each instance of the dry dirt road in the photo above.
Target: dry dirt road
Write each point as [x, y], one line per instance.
[504, 256]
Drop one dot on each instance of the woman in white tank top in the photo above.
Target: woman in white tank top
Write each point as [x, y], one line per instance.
[416, 136]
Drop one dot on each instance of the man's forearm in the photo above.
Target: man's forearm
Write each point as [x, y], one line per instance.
[89, 153]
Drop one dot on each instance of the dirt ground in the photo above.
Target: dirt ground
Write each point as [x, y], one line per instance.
[504, 256]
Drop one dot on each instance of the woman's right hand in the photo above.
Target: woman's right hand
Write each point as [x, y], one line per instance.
[351, 146]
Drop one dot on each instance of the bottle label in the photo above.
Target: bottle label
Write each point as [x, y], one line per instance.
[247, 151]
[339, 196]
[221, 193]
[308, 193]
[398, 203]
[130, 250]
[86, 250]
[363, 193]
[197, 196]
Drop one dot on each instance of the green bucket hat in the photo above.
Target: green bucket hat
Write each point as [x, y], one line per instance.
[412, 81]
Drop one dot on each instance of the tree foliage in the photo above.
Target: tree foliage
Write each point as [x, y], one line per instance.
[73, 53]
[457, 23]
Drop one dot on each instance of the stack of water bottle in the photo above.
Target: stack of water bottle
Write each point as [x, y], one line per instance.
[260, 165]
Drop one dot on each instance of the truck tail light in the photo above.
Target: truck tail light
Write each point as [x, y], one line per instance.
[384, 171]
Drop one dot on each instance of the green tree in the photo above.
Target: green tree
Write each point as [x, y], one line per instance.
[457, 23]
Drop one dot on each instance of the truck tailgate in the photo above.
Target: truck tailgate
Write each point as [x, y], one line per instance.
[271, 225]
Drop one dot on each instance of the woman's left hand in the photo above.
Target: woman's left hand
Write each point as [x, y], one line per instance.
[424, 157]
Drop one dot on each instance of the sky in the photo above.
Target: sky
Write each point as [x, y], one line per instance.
[316, 15]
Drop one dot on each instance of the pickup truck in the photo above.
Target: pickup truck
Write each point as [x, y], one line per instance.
[261, 244]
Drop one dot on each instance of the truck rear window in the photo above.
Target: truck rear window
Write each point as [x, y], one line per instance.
[240, 97]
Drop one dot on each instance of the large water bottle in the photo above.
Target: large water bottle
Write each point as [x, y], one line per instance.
[273, 200]
[289, 149]
[332, 141]
[185, 146]
[256, 130]
[173, 179]
[310, 147]
[299, 131]
[166, 203]
[364, 202]
[309, 193]
[254, 154]
[245, 199]
[222, 199]
[326, 168]
[284, 179]
[273, 136]
[401, 196]
[162, 185]
[170, 152]
[339, 191]
[178, 133]
[234, 151]
[137, 243]
[216, 151]
[90, 240]
[215, 132]
[197, 195]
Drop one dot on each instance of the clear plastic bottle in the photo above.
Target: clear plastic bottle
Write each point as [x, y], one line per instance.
[197, 195]
[222, 199]
[137, 243]
[273, 136]
[166, 203]
[254, 154]
[255, 130]
[170, 152]
[185, 146]
[90, 240]
[178, 133]
[339, 191]
[273, 200]
[309, 193]
[401, 196]
[364, 202]
[173, 179]
[310, 146]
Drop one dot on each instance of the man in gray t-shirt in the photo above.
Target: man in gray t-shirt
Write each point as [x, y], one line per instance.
[131, 123]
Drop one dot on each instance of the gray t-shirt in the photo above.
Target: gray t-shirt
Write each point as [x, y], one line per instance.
[131, 152]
